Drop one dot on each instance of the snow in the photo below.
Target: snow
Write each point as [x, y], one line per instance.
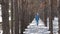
[32, 28]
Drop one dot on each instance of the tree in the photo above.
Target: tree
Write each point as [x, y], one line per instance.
[24, 19]
[45, 13]
[0, 1]
[16, 16]
[58, 12]
[12, 16]
[5, 17]
[20, 15]
[50, 17]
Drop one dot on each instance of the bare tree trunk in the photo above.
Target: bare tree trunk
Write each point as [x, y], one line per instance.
[5, 17]
[45, 17]
[58, 15]
[24, 15]
[0, 1]
[59, 21]
[31, 12]
[22, 19]
[53, 7]
[11, 16]
[20, 14]
[16, 16]
[45, 13]
[50, 24]
[50, 17]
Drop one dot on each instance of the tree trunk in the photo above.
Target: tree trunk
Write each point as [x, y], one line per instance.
[20, 14]
[24, 16]
[45, 13]
[22, 19]
[58, 15]
[45, 17]
[50, 17]
[0, 1]
[16, 17]
[59, 22]
[5, 17]
[11, 16]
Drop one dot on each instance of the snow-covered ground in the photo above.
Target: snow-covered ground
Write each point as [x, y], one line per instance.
[32, 28]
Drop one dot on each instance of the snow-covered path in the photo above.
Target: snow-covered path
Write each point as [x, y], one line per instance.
[32, 28]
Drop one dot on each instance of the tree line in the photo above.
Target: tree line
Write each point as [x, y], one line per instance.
[23, 12]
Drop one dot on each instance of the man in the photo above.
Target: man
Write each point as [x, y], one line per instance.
[37, 18]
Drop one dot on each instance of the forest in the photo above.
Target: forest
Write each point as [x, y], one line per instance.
[22, 12]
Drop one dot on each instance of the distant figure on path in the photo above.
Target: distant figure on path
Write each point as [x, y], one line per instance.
[37, 18]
